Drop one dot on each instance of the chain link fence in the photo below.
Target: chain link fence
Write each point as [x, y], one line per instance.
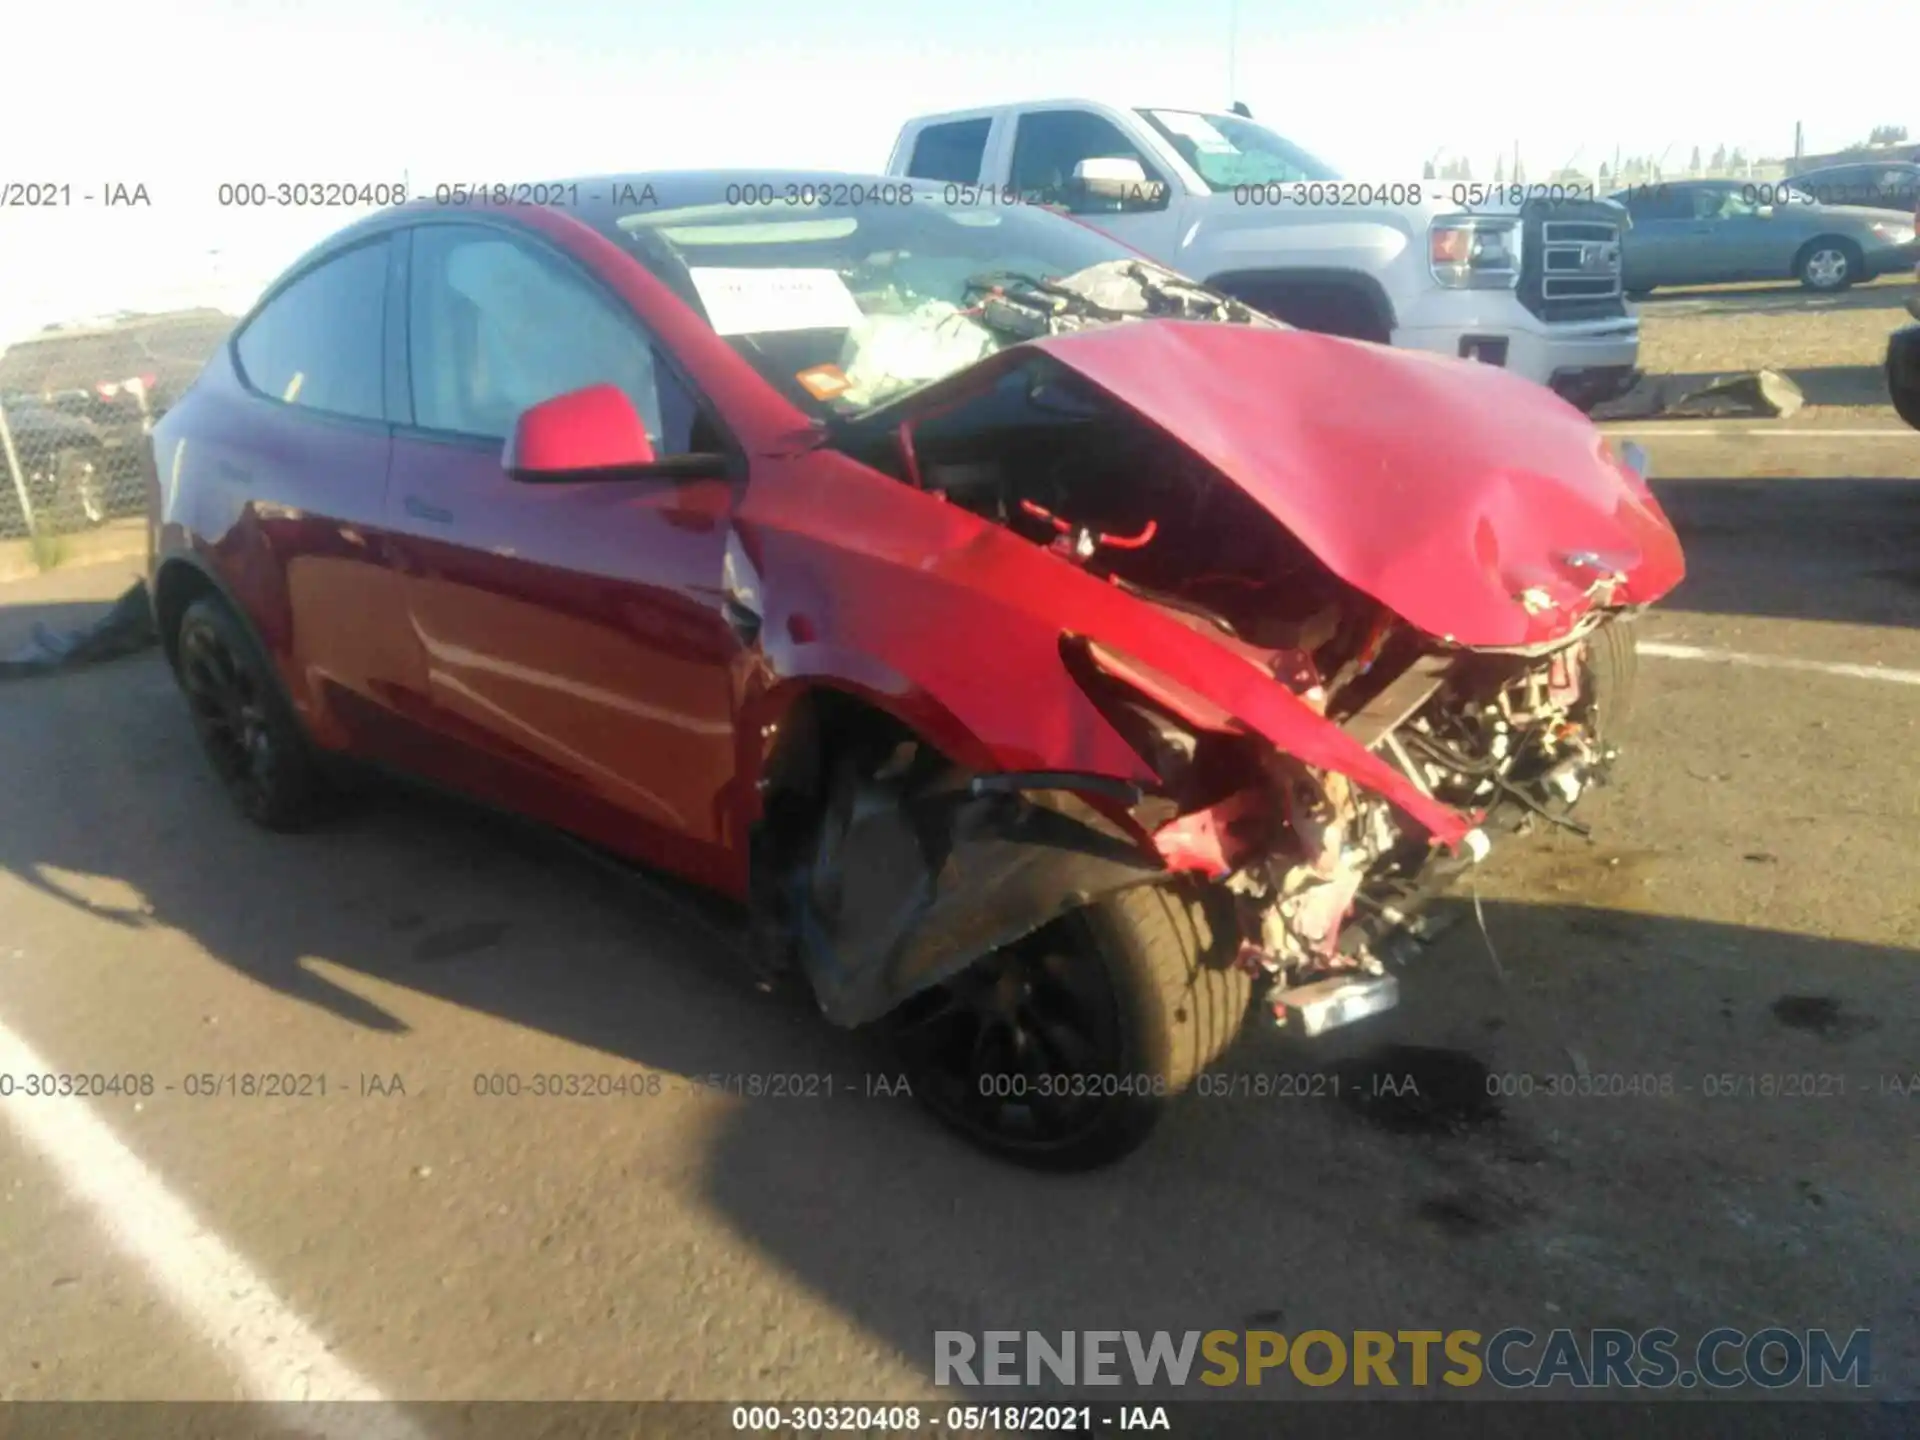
[76, 403]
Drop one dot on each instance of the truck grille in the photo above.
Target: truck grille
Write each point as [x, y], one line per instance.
[1570, 265]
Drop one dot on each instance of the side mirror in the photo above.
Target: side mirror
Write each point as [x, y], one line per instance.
[589, 434]
[1119, 178]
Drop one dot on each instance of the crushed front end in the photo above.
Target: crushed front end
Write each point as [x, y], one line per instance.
[1355, 611]
[1330, 881]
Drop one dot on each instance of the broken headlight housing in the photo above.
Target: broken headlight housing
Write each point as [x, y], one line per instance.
[1163, 721]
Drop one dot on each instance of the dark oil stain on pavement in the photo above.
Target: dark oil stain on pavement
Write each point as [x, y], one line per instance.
[1601, 879]
[1465, 1214]
[459, 940]
[1608, 925]
[1821, 1015]
[1419, 1090]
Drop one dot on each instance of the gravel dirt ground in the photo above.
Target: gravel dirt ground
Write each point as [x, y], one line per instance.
[1749, 907]
[1832, 346]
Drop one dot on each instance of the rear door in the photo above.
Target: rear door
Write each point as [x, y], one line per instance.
[1654, 251]
[297, 498]
[575, 639]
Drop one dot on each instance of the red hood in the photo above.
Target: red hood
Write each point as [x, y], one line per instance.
[1445, 489]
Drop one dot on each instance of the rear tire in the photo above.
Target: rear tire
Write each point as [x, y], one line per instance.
[1160, 999]
[1829, 265]
[246, 727]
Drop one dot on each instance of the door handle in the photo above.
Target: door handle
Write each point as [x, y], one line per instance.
[742, 619]
[421, 510]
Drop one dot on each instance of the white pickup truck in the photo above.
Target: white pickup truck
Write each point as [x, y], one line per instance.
[1527, 277]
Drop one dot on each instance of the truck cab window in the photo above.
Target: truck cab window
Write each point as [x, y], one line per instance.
[951, 152]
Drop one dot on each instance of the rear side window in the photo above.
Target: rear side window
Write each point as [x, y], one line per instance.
[318, 343]
[951, 152]
[1835, 187]
[1891, 187]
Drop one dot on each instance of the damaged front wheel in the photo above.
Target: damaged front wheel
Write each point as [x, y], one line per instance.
[1061, 1051]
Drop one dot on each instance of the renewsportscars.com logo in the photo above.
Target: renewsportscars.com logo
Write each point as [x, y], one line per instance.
[1723, 1359]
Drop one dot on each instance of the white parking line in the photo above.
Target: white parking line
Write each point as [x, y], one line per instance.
[1664, 651]
[274, 1353]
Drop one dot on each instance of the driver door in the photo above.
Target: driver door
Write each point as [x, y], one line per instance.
[576, 650]
[1745, 244]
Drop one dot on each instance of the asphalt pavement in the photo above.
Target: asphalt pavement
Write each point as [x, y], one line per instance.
[1749, 907]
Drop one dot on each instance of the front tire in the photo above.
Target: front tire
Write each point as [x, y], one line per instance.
[1613, 667]
[1906, 404]
[1062, 1052]
[245, 725]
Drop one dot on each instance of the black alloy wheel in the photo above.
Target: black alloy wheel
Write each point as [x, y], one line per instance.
[249, 734]
[1026, 1051]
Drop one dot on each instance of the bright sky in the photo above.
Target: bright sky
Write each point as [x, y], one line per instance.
[184, 95]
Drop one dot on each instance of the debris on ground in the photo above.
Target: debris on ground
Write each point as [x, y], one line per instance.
[124, 630]
[1751, 394]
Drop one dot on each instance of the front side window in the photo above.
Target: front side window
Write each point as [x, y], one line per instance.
[1723, 203]
[1230, 150]
[495, 327]
[1047, 146]
[318, 343]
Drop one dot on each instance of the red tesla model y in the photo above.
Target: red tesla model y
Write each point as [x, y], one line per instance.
[1058, 661]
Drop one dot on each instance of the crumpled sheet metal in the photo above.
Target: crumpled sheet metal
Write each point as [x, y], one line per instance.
[125, 629]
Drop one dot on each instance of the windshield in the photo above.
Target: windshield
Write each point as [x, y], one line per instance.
[842, 308]
[1227, 150]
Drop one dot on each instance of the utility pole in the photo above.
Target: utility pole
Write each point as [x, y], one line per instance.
[1233, 50]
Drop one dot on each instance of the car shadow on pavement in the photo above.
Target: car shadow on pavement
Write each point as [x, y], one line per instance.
[1443, 1167]
[1798, 547]
[1439, 1168]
